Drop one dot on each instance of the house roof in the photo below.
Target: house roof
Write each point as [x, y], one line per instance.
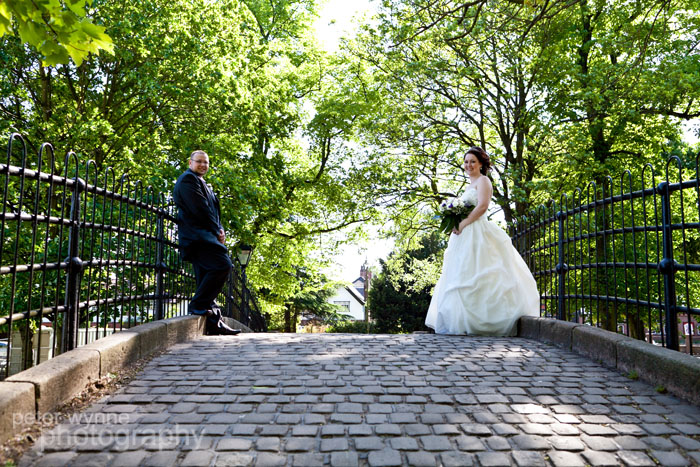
[356, 295]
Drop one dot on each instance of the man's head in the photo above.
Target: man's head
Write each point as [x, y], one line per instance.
[199, 162]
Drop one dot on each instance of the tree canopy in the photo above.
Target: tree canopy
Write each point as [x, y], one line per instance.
[59, 30]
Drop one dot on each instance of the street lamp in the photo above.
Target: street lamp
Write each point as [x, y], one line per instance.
[244, 254]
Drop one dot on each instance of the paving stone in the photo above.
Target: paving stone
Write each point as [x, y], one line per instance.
[686, 443]
[530, 442]
[421, 459]
[344, 459]
[630, 443]
[384, 458]
[56, 459]
[600, 443]
[417, 429]
[388, 429]
[402, 418]
[314, 419]
[369, 443]
[687, 429]
[658, 442]
[159, 459]
[305, 430]
[274, 430]
[536, 429]
[435, 443]
[470, 443]
[566, 443]
[243, 429]
[233, 459]
[125, 459]
[596, 430]
[498, 443]
[234, 444]
[333, 430]
[565, 418]
[307, 460]
[635, 459]
[197, 458]
[268, 459]
[404, 444]
[670, 458]
[475, 429]
[493, 459]
[659, 429]
[334, 444]
[195, 442]
[528, 458]
[600, 458]
[301, 444]
[457, 459]
[346, 418]
[376, 419]
[566, 459]
[268, 444]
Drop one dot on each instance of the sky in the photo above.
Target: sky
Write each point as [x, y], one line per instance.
[335, 20]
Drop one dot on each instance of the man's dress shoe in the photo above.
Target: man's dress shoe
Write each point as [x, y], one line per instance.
[224, 330]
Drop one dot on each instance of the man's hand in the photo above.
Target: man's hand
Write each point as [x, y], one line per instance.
[221, 236]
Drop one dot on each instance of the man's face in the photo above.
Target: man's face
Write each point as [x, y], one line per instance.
[199, 164]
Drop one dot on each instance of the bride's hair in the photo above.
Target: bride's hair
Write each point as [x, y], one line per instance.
[483, 157]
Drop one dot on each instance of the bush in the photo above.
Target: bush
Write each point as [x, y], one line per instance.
[353, 327]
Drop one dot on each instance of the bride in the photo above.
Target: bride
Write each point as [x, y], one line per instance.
[485, 285]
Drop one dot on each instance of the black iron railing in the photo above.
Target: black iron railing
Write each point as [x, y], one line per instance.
[84, 255]
[626, 262]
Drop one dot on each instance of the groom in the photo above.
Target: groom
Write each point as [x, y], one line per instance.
[201, 237]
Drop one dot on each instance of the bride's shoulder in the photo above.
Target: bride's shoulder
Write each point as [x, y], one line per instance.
[482, 182]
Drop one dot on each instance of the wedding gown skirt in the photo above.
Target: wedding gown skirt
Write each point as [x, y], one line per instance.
[485, 285]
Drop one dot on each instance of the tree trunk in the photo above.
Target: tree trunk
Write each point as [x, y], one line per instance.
[287, 320]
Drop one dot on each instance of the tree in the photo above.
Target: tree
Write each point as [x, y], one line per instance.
[401, 292]
[234, 78]
[58, 30]
[543, 86]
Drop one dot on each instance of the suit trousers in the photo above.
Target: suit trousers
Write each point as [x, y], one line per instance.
[212, 266]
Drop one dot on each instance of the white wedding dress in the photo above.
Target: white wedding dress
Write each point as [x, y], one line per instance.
[485, 285]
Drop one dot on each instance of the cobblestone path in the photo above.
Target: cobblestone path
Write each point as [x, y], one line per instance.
[377, 400]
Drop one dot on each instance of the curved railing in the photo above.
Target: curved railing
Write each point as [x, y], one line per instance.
[624, 257]
[84, 255]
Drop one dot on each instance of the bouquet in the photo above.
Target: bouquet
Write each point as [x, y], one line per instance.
[453, 211]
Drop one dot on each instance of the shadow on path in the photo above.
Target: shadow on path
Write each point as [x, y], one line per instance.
[378, 400]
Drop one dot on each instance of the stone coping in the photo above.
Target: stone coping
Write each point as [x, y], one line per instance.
[669, 370]
[42, 388]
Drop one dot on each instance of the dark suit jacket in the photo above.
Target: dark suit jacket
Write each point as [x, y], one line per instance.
[198, 212]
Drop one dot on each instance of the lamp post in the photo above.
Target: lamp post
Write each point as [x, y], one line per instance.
[244, 254]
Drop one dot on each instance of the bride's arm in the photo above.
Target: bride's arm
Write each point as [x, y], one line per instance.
[484, 192]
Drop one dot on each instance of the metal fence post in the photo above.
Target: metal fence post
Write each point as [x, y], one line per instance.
[667, 267]
[75, 273]
[245, 306]
[561, 266]
[160, 266]
[229, 295]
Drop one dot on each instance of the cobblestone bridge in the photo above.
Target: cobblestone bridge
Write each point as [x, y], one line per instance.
[377, 400]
